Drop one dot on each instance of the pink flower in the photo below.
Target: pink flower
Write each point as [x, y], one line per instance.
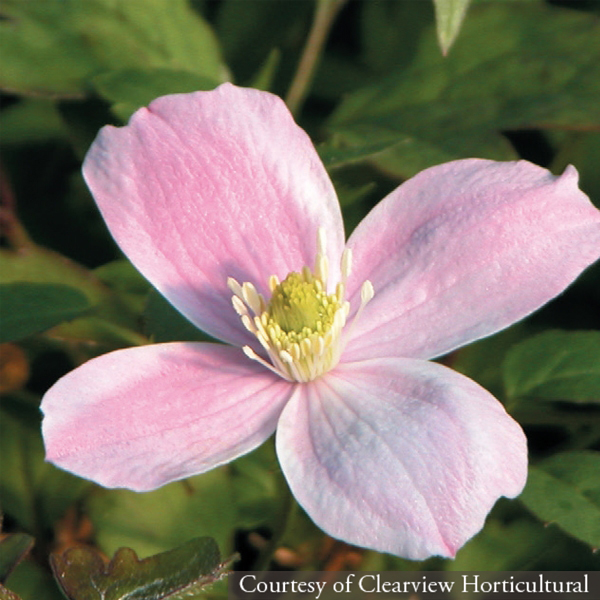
[219, 194]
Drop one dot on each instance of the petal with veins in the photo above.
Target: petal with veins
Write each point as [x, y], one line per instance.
[205, 186]
[463, 250]
[401, 456]
[142, 417]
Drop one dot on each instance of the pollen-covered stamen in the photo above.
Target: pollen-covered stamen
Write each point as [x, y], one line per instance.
[300, 327]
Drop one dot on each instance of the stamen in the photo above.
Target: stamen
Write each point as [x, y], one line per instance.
[321, 240]
[306, 347]
[295, 352]
[264, 341]
[286, 356]
[293, 367]
[366, 293]
[318, 346]
[273, 282]
[235, 287]
[251, 354]
[239, 306]
[248, 324]
[307, 274]
[346, 265]
[322, 268]
[252, 298]
[300, 327]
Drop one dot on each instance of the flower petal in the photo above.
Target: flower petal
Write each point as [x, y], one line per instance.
[465, 249]
[400, 455]
[142, 417]
[205, 186]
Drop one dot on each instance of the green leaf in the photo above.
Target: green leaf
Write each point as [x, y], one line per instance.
[389, 33]
[334, 154]
[55, 48]
[130, 89]
[249, 31]
[32, 581]
[34, 493]
[541, 70]
[31, 120]
[112, 320]
[522, 545]
[349, 195]
[449, 16]
[257, 480]
[482, 360]
[555, 365]
[13, 549]
[155, 521]
[29, 308]
[122, 277]
[265, 76]
[171, 575]
[565, 489]
[37, 265]
[583, 150]
[500, 547]
[164, 323]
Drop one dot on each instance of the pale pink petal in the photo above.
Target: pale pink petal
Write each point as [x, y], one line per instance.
[400, 455]
[463, 250]
[141, 417]
[205, 186]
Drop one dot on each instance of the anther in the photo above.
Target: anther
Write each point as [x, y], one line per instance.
[239, 306]
[235, 287]
[251, 354]
[300, 327]
[322, 268]
[252, 298]
[366, 293]
[248, 324]
[346, 265]
[321, 240]
[273, 282]
[286, 356]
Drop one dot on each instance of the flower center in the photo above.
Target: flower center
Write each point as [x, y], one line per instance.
[300, 327]
[300, 306]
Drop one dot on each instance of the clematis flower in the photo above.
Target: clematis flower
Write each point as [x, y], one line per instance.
[221, 202]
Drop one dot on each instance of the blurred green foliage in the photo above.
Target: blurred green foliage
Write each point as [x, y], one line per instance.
[565, 489]
[55, 48]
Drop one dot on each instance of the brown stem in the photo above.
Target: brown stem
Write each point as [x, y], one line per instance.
[12, 232]
[325, 14]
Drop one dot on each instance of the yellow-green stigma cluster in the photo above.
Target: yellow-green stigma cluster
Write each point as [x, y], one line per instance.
[300, 307]
[300, 326]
